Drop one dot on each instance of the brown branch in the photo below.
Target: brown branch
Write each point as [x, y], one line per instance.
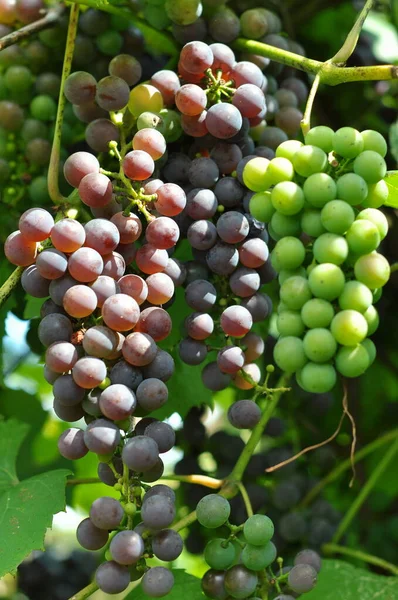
[51, 17]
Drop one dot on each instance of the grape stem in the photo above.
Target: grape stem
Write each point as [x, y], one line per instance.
[365, 491]
[204, 480]
[343, 466]
[306, 120]
[53, 169]
[352, 38]
[10, 283]
[85, 592]
[368, 558]
[245, 498]
[83, 480]
[51, 17]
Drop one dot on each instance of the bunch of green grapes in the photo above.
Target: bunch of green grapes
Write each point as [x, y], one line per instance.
[321, 200]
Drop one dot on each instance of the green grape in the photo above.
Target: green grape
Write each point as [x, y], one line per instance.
[371, 166]
[280, 169]
[261, 207]
[258, 530]
[320, 136]
[373, 140]
[150, 120]
[273, 235]
[372, 318]
[352, 361]
[330, 248]
[255, 174]
[319, 345]
[295, 292]
[326, 281]
[347, 142]
[257, 558]
[319, 189]
[352, 188]
[18, 79]
[287, 197]
[254, 23]
[286, 273]
[282, 307]
[219, 554]
[290, 323]
[317, 313]
[289, 253]
[373, 270]
[355, 296]
[171, 126]
[145, 97]
[349, 327]
[156, 16]
[183, 12]
[377, 195]
[337, 216]
[213, 511]
[257, 131]
[363, 237]
[370, 349]
[38, 191]
[110, 42]
[316, 378]
[285, 226]
[309, 160]
[288, 149]
[289, 354]
[378, 218]
[43, 108]
[311, 222]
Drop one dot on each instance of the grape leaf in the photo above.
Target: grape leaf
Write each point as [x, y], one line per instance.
[351, 583]
[27, 507]
[393, 138]
[12, 434]
[392, 182]
[185, 586]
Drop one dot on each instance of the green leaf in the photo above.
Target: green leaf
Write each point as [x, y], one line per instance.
[12, 434]
[185, 586]
[26, 511]
[392, 182]
[339, 579]
[393, 138]
[27, 507]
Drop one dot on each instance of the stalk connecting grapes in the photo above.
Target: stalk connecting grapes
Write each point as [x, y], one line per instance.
[189, 187]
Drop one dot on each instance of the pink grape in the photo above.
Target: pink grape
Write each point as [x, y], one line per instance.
[156, 322]
[89, 372]
[36, 224]
[114, 265]
[236, 321]
[160, 288]
[190, 99]
[139, 349]
[151, 141]
[100, 341]
[34, 284]
[85, 265]
[128, 252]
[253, 371]
[163, 233]
[117, 402]
[254, 346]
[120, 312]
[199, 326]
[130, 228]
[230, 359]
[168, 83]
[171, 200]
[102, 235]
[68, 413]
[196, 57]
[152, 186]
[104, 287]
[19, 250]
[95, 190]
[80, 301]
[151, 260]
[78, 165]
[68, 235]
[253, 253]
[71, 444]
[61, 357]
[195, 126]
[138, 165]
[51, 264]
[134, 286]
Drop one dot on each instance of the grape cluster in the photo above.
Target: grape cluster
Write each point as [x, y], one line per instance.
[238, 562]
[321, 201]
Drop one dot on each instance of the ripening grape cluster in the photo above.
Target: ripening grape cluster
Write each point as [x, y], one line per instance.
[236, 561]
[321, 201]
